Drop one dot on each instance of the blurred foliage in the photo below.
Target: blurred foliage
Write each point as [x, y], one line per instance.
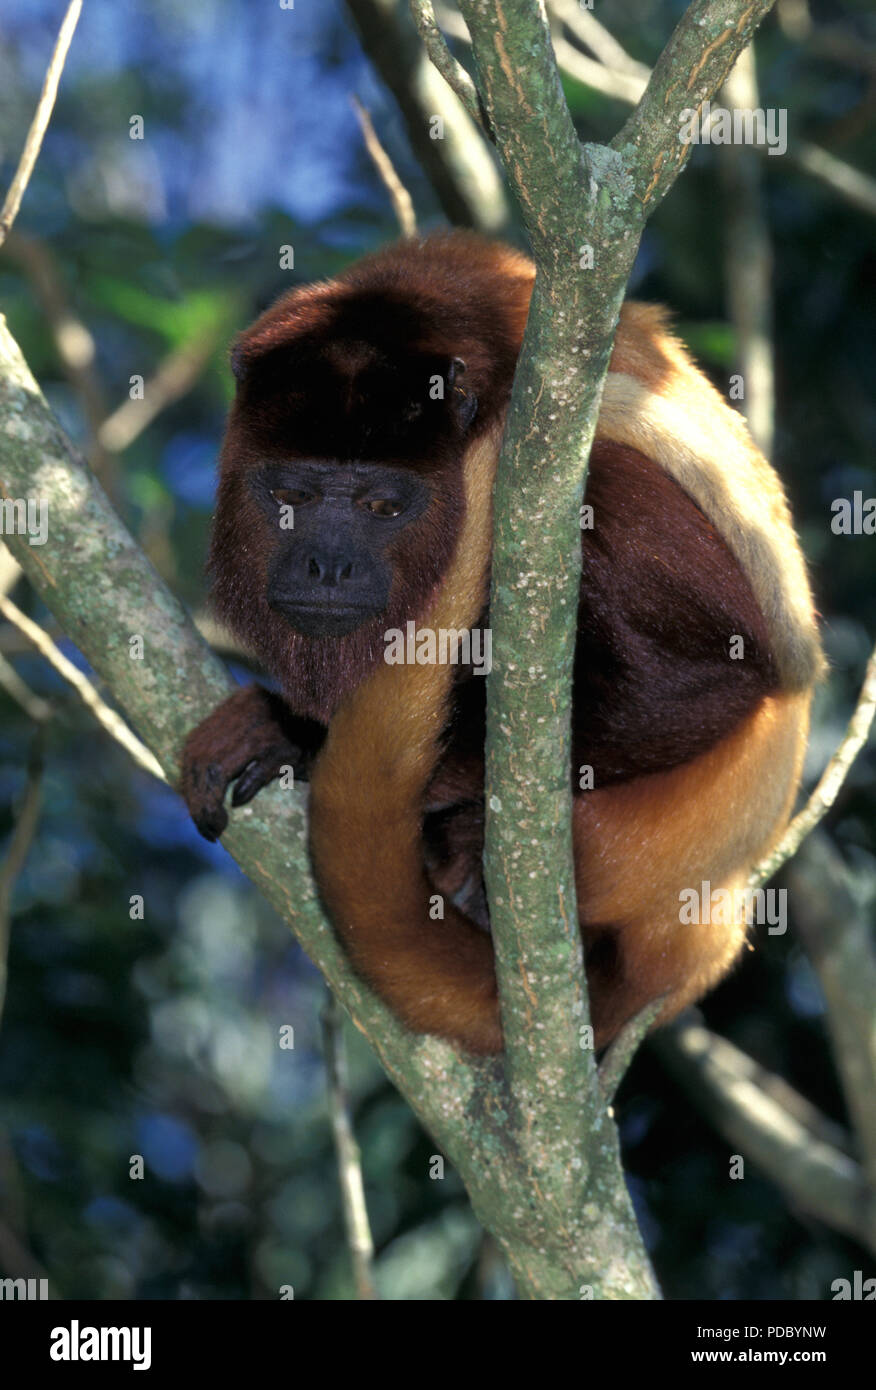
[159, 1036]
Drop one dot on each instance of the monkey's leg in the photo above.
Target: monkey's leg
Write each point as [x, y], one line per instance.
[642, 846]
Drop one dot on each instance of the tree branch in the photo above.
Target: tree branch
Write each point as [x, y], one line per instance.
[453, 72]
[697, 59]
[732, 1091]
[459, 164]
[536, 574]
[572, 199]
[627, 83]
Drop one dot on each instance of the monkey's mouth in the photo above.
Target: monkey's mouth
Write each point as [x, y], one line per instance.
[324, 619]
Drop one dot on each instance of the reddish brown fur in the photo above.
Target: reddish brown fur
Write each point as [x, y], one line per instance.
[696, 756]
[472, 305]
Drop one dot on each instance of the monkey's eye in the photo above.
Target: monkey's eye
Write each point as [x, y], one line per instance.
[291, 496]
[384, 506]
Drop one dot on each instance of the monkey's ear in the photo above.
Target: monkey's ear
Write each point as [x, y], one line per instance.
[465, 403]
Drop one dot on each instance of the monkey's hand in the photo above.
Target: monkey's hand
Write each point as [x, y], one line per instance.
[249, 740]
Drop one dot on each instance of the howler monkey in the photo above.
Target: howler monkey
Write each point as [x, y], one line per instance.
[368, 414]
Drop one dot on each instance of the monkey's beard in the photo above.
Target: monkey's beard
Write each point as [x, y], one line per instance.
[315, 673]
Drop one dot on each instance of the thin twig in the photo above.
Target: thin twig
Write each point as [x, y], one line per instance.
[175, 376]
[624, 86]
[828, 788]
[34, 706]
[112, 722]
[620, 1054]
[748, 261]
[794, 19]
[833, 42]
[459, 165]
[10, 570]
[839, 47]
[847, 183]
[347, 1150]
[74, 343]
[451, 22]
[401, 200]
[451, 70]
[40, 122]
[603, 45]
[26, 821]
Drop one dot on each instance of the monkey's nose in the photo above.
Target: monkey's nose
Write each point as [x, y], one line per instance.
[330, 570]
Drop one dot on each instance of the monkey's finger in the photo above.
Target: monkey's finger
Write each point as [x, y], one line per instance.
[210, 821]
[257, 774]
[204, 790]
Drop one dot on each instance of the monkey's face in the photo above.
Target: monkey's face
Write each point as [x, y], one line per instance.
[344, 447]
[338, 529]
[341, 492]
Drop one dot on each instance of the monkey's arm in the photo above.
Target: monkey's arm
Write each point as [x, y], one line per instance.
[248, 740]
[369, 788]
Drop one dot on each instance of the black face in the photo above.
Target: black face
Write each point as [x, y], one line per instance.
[331, 570]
